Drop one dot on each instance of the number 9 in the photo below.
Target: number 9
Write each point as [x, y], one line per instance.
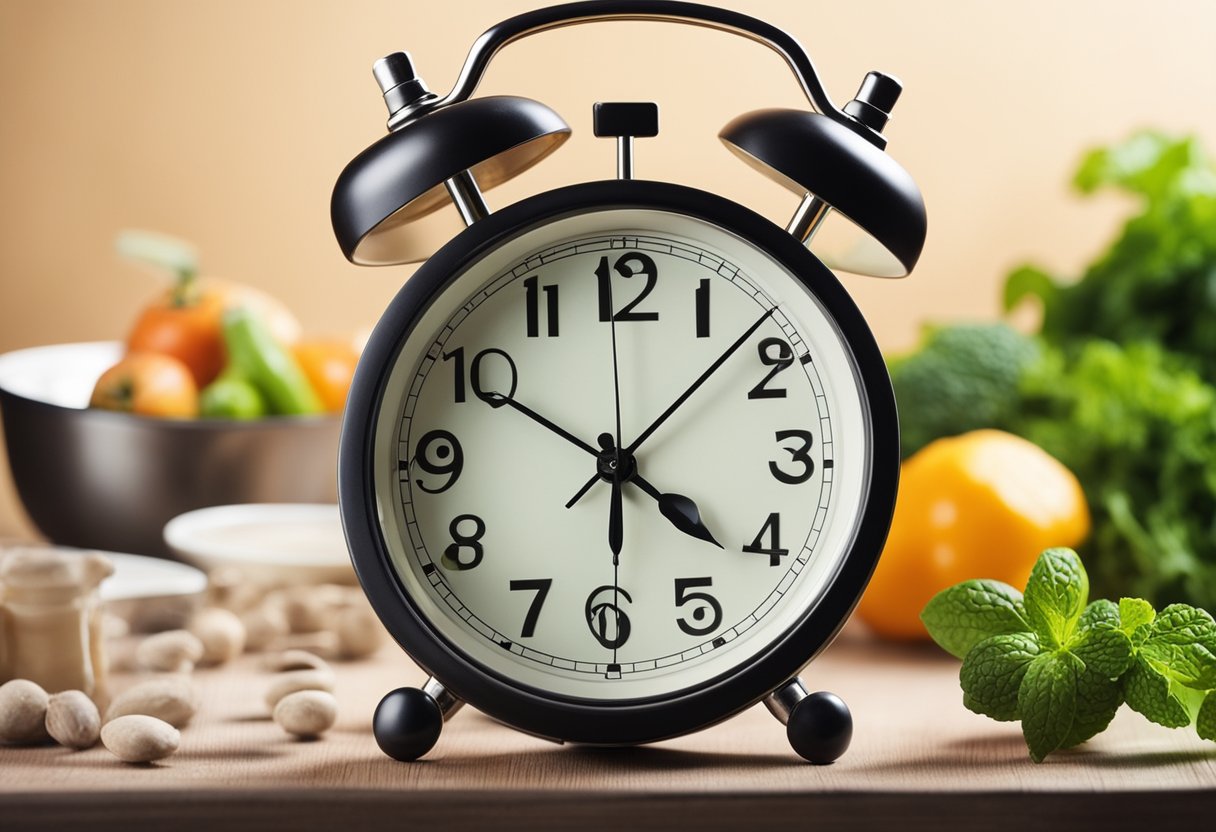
[439, 453]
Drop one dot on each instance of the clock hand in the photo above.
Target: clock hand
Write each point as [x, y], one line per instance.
[616, 526]
[679, 401]
[680, 510]
[644, 435]
[616, 511]
[497, 400]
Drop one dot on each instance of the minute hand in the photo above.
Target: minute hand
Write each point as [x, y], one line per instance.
[497, 400]
[700, 380]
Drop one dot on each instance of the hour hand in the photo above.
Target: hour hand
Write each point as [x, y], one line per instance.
[681, 511]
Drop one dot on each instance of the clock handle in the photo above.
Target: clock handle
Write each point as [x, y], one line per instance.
[818, 725]
[667, 11]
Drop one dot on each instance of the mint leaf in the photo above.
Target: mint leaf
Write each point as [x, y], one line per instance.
[1047, 700]
[1205, 725]
[1055, 595]
[962, 616]
[1100, 613]
[1148, 692]
[1103, 650]
[992, 673]
[1134, 612]
[1098, 698]
[1181, 643]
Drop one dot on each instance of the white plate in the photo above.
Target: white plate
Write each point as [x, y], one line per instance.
[149, 593]
[273, 543]
[137, 577]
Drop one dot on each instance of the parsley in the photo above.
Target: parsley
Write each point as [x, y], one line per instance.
[1062, 667]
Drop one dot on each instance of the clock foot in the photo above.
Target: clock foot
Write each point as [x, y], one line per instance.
[408, 721]
[818, 725]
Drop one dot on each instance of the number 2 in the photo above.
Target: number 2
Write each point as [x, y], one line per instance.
[783, 358]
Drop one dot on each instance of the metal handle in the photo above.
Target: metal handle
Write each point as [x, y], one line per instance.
[667, 11]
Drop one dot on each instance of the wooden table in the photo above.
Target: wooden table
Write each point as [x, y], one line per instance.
[919, 761]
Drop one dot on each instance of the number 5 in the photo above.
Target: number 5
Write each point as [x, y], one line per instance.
[684, 597]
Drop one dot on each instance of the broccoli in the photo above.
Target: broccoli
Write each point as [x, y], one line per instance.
[963, 377]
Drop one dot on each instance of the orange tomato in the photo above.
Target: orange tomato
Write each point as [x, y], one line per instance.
[186, 328]
[329, 367]
[148, 384]
[981, 505]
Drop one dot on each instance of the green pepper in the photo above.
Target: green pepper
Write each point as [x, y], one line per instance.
[231, 396]
[254, 353]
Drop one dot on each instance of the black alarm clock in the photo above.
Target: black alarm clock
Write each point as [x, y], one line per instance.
[619, 458]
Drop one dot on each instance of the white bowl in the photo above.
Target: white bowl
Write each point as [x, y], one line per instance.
[270, 543]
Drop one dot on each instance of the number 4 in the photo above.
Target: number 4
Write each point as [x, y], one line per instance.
[771, 527]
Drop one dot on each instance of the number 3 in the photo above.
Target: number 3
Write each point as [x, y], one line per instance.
[801, 455]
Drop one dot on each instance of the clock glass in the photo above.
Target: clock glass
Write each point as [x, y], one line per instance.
[595, 554]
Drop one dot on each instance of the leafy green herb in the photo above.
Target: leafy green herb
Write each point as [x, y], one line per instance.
[1139, 431]
[1155, 283]
[1062, 667]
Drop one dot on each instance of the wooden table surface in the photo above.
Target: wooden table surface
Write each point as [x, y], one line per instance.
[919, 760]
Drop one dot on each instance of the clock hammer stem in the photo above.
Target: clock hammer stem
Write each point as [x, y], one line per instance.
[811, 213]
[467, 197]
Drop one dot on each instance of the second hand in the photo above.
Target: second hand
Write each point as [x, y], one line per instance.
[616, 531]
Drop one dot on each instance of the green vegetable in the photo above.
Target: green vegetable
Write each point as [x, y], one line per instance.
[1122, 389]
[256, 355]
[1157, 283]
[962, 378]
[1064, 668]
[231, 397]
[1139, 431]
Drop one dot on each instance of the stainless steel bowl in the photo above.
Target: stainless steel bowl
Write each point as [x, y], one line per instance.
[103, 480]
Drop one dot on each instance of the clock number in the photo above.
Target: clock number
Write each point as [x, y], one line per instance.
[779, 360]
[702, 300]
[801, 455]
[541, 587]
[439, 453]
[706, 602]
[475, 375]
[772, 528]
[451, 555]
[457, 355]
[608, 622]
[622, 266]
[533, 308]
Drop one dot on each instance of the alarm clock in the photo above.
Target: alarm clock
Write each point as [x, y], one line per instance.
[619, 458]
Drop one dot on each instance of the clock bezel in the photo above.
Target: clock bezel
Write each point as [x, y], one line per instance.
[605, 721]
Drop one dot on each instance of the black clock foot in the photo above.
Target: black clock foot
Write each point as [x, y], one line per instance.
[407, 723]
[820, 728]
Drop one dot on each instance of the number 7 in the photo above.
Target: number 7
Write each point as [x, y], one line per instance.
[541, 587]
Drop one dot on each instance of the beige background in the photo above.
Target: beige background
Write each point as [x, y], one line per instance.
[226, 122]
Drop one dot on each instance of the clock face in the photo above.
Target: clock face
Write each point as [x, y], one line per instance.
[742, 455]
[620, 455]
